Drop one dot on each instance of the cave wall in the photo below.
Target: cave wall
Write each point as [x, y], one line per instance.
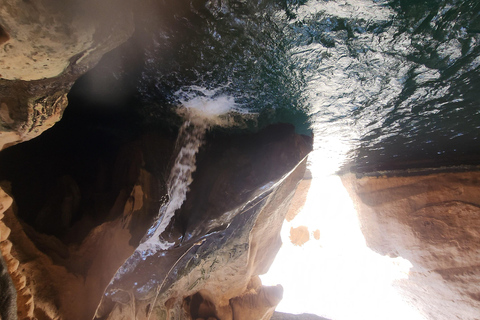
[46, 45]
[431, 218]
[227, 231]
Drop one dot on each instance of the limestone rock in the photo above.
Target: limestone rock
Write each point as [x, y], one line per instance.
[45, 46]
[8, 293]
[42, 39]
[433, 220]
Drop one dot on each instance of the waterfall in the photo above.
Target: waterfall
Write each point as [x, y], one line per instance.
[201, 109]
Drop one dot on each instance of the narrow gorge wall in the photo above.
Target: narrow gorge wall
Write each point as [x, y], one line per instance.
[433, 220]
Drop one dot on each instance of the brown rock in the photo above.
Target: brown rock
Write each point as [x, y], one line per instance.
[231, 223]
[56, 281]
[258, 304]
[299, 236]
[225, 237]
[46, 46]
[43, 38]
[433, 220]
[299, 199]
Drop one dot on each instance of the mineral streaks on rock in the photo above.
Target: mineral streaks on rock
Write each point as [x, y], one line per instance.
[227, 233]
[40, 39]
[433, 220]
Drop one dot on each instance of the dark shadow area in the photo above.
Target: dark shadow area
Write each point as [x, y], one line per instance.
[77, 169]
[4, 37]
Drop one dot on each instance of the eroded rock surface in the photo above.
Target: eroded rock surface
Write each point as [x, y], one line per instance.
[433, 220]
[8, 293]
[45, 46]
[225, 235]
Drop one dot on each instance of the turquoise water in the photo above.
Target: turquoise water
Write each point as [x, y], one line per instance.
[395, 82]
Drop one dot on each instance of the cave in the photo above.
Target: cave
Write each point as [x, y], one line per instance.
[77, 170]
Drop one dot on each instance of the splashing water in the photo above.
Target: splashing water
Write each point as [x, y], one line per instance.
[202, 109]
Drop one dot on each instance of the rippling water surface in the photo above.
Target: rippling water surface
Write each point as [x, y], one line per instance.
[379, 83]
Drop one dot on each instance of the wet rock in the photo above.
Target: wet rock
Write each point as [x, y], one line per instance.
[227, 231]
[225, 234]
[433, 220]
[64, 276]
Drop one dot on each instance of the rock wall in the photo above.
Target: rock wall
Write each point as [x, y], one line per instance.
[8, 292]
[45, 46]
[227, 234]
[433, 220]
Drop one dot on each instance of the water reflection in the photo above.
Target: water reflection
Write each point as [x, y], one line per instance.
[388, 85]
[394, 80]
[391, 79]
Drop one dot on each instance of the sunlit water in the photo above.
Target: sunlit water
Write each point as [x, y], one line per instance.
[392, 81]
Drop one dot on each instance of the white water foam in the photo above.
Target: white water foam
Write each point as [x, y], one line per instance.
[201, 109]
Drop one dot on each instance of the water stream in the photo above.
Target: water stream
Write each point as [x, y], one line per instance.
[200, 108]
